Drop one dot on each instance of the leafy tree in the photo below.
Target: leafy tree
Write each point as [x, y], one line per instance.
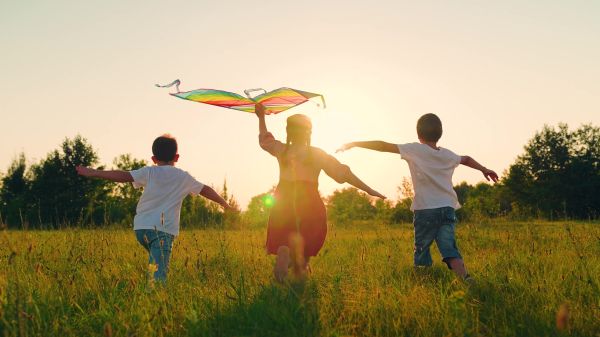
[406, 189]
[257, 213]
[559, 173]
[14, 191]
[231, 219]
[384, 211]
[462, 191]
[59, 195]
[349, 204]
[198, 212]
[402, 212]
[483, 201]
[124, 197]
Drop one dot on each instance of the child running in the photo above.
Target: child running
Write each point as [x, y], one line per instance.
[156, 221]
[434, 204]
[298, 222]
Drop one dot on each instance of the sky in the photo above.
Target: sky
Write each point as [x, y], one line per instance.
[495, 73]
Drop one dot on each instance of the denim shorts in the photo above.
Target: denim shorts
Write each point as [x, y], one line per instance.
[159, 245]
[436, 224]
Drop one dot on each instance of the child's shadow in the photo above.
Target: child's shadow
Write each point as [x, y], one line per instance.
[277, 310]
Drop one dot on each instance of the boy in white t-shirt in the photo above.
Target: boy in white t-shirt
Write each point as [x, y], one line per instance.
[156, 221]
[431, 168]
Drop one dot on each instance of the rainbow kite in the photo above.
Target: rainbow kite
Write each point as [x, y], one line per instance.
[274, 101]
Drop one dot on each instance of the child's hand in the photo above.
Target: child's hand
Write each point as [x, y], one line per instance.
[377, 194]
[345, 147]
[84, 171]
[489, 174]
[259, 109]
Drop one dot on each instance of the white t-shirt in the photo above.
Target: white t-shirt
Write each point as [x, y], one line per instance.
[431, 172]
[165, 187]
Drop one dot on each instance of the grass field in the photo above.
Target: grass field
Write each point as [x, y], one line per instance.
[93, 282]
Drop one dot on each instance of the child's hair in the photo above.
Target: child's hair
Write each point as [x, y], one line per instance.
[164, 148]
[429, 128]
[299, 129]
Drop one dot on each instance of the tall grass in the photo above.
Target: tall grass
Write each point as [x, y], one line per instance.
[93, 282]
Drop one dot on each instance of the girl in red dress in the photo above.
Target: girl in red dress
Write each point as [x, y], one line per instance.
[298, 221]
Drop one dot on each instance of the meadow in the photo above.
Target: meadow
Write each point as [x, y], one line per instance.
[78, 282]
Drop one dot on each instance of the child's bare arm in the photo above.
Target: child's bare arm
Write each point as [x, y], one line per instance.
[472, 163]
[375, 145]
[259, 109]
[353, 180]
[266, 140]
[342, 174]
[211, 194]
[116, 175]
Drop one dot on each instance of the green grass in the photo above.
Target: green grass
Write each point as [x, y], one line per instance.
[93, 282]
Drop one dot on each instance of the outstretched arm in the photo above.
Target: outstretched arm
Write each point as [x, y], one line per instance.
[342, 174]
[472, 163]
[353, 180]
[211, 194]
[375, 145]
[115, 175]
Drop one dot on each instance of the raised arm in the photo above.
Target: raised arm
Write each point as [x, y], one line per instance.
[472, 163]
[115, 175]
[259, 109]
[375, 145]
[211, 194]
[265, 138]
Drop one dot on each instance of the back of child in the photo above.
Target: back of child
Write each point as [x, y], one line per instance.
[156, 222]
[435, 201]
[298, 221]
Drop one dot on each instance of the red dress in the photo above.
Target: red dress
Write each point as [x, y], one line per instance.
[298, 207]
[307, 217]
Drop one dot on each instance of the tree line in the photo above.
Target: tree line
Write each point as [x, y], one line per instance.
[556, 177]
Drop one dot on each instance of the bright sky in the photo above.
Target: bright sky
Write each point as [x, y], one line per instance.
[494, 73]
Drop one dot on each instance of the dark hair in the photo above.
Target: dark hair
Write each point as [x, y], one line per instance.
[429, 128]
[164, 148]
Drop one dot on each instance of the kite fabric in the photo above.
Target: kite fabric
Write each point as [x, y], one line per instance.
[274, 101]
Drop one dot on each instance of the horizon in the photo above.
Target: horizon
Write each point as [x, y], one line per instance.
[494, 73]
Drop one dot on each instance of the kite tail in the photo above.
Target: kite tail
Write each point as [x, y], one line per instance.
[249, 91]
[175, 83]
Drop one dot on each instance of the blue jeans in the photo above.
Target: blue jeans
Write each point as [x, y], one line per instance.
[435, 224]
[159, 245]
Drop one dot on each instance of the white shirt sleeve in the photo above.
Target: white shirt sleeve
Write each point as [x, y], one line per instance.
[405, 151]
[456, 159]
[140, 177]
[194, 186]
